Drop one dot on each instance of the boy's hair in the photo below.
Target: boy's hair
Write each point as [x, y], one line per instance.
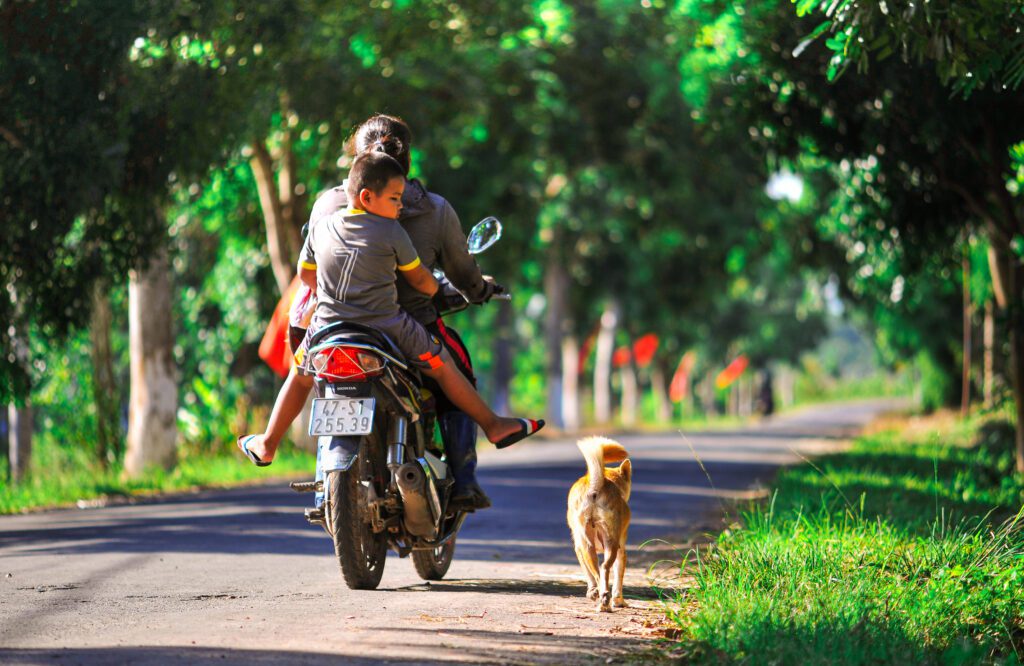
[371, 171]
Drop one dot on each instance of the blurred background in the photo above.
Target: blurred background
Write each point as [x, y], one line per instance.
[712, 210]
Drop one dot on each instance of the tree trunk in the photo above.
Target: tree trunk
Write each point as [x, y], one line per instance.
[707, 395]
[988, 366]
[153, 405]
[659, 386]
[570, 383]
[19, 418]
[965, 393]
[556, 291]
[502, 373]
[630, 394]
[1013, 283]
[1006, 285]
[19, 424]
[105, 398]
[603, 363]
[1017, 371]
[5, 445]
[280, 246]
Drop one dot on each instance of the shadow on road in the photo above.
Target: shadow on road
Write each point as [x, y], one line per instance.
[474, 646]
[553, 588]
[526, 523]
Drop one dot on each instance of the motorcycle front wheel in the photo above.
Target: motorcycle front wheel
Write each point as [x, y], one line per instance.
[433, 564]
[361, 553]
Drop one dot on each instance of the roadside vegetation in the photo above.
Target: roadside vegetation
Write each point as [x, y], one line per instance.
[907, 548]
[64, 476]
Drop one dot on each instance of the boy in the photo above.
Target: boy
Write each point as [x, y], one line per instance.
[350, 263]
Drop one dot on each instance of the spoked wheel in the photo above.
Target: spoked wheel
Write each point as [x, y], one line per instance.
[433, 564]
[361, 552]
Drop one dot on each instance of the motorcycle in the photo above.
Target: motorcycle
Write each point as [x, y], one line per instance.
[382, 479]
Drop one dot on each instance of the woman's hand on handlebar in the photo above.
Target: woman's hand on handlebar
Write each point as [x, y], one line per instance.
[491, 289]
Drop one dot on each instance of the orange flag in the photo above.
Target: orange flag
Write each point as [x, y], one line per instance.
[680, 386]
[732, 372]
[274, 346]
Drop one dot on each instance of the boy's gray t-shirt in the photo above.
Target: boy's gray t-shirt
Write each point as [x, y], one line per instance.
[435, 232]
[355, 255]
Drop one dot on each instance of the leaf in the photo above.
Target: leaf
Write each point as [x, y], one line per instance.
[817, 32]
[836, 43]
[804, 7]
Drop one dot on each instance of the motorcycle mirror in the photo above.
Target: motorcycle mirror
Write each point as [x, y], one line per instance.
[484, 234]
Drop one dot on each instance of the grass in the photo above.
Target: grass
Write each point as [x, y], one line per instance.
[908, 548]
[61, 476]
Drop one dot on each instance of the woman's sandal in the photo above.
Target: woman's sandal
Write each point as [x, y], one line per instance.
[243, 444]
[528, 427]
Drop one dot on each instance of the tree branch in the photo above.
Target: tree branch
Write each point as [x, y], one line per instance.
[12, 138]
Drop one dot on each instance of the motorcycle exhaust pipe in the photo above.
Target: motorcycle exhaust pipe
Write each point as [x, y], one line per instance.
[412, 486]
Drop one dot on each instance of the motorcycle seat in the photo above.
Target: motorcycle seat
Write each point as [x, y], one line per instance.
[345, 331]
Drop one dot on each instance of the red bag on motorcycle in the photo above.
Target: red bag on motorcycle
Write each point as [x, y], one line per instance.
[274, 348]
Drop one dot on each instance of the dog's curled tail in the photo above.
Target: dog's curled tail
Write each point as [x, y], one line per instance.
[597, 451]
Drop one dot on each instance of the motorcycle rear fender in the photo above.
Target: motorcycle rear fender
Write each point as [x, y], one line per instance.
[337, 454]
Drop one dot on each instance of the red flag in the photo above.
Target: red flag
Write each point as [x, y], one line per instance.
[588, 344]
[680, 386]
[274, 346]
[644, 348]
[621, 357]
[732, 372]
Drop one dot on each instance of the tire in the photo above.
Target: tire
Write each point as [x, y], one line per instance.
[361, 553]
[433, 564]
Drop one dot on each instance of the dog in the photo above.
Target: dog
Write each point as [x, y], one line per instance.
[598, 516]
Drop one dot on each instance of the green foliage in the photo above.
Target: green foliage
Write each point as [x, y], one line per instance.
[94, 125]
[887, 553]
[971, 44]
[63, 475]
[936, 384]
[628, 143]
[224, 291]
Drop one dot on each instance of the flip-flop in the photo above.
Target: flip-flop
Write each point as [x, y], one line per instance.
[243, 444]
[527, 428]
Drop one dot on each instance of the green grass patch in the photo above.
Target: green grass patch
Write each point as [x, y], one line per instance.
[908, 548]
[60, 476]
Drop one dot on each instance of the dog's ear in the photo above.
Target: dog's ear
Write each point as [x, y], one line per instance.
[626, 474]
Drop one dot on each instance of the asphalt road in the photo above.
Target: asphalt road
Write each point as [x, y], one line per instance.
[238, 576]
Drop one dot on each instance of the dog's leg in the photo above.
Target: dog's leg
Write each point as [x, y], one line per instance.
[620, 573]
[611, 550]
[589, 566]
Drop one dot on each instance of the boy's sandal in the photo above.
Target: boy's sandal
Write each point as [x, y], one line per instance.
[243, 444]
[528, 427]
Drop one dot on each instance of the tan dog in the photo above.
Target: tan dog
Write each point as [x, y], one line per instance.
[598, 516]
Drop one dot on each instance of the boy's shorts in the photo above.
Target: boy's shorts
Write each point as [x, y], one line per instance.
[421, 349]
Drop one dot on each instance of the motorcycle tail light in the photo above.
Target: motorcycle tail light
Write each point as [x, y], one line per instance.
[347, 364]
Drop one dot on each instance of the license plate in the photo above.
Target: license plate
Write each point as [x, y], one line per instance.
[341, 416]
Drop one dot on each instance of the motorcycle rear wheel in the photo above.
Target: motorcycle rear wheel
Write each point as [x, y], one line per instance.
[433, 564]
[361, 553]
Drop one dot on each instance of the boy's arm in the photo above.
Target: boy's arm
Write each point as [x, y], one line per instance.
[308, 276]
[421, 279]
[416, 274]
[307, 262]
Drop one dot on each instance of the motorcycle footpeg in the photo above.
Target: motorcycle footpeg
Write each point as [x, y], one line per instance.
[314, 516]
[307, 486]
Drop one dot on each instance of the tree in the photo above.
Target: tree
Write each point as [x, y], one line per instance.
[106, 121]
[929, 163]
